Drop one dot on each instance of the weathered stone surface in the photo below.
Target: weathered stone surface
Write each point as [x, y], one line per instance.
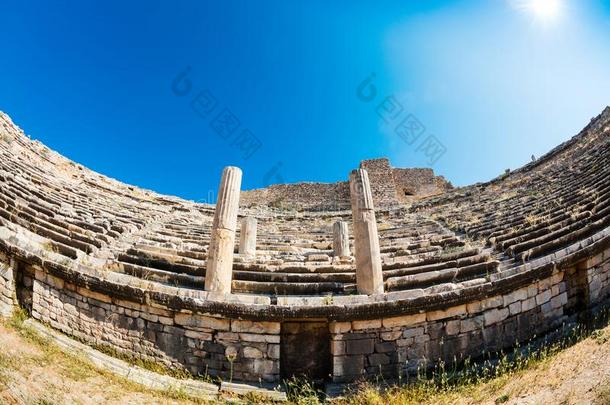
[340, 239]
[373, 324]
[360, 346]
[247, 237]
[123, 267]
[403, 320]
[339, 327]
[202, 321]
[369, 277]
[543, 297]
[448, 313]
[270, 328]
[252, 353]
[220, 262]
[348, 365]
[496, 315]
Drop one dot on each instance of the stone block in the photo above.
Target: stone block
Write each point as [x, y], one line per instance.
[421, 339]
[252, 353]
[447, 313]
[127, 304]
[404, 320]
[201, 321]
[495, 315]
[54, 282]
[263, 366]
[413, 332]
[273, 351]
[337, 347]
[198, 335]
[166, 321]
[544, 284]
[372, 324]
[378, 359]
[348, 365]
[474, 307]
[254, 337]
[385, 347]
[546, 308]
[557, 277]
[231, 351]
[361, 346]
[391, 335]
[404, 342]
[149, 317]
[594, 261]
[339, 327]
[94, 295]
[518, 295]
[543, 297]
[453, 327]
[471, 324]
[492, 302]
[515, 308]
[528, 304]
[532, 291]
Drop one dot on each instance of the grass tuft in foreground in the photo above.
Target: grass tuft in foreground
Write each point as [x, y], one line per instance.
[476, 380]
[500, 380]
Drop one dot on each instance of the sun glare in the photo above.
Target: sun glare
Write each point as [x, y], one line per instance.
[545, 11]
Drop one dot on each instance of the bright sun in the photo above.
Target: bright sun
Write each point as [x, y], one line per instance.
[546, 11]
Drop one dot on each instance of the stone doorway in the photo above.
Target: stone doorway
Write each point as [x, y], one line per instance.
[24, 286]
[305, 351]
[577, 286]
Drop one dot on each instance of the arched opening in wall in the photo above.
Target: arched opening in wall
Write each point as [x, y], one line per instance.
[24, 286]
[577, 287]
[305, 351]
[408, 192]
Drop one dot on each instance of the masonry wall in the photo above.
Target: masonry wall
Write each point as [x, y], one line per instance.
[7, 286]
[312, 196]
[382, 181]
[399, 346]
[598, 277]
[388, 186]
[205, 344]
[199, 343]
[418, 182]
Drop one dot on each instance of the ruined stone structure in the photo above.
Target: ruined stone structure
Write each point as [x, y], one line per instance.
[390, 187]
[465, 272]
[369, 278]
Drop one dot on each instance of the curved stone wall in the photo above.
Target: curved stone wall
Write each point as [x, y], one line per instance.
[241, 336]
[473, 270]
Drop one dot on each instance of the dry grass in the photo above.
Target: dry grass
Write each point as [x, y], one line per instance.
[32, 370]
[577, 374]
[35, 371]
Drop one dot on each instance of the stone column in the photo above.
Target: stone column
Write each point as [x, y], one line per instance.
[340, 239]
[222, 244]
[369, 278]
[247, 237]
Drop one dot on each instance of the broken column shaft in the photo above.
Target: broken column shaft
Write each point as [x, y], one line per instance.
[247, 237]
[369, 277]
[222, 244]
[340, 239]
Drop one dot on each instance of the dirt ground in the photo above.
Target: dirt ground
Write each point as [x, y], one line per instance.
[33, 371]
[577, 375]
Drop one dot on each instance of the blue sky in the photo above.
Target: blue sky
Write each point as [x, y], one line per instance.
[487, 84]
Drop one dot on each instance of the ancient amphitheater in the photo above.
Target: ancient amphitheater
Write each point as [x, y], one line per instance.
[391, 272]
